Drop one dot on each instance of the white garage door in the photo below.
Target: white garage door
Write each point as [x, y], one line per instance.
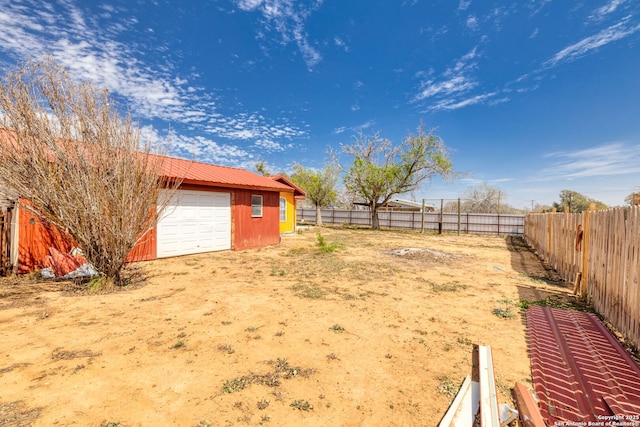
[195, 222]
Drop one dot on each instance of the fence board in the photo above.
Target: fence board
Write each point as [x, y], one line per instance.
[609, 260]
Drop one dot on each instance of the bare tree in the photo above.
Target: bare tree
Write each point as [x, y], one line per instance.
[79, 165]
[484, 199]
[381, 170]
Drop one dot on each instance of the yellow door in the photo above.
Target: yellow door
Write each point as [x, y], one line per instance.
[287, 213]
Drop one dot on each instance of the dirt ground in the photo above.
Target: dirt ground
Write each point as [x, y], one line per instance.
[378, 332]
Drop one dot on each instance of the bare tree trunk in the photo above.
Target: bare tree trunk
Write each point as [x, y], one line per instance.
[375, 220]
[318, 215]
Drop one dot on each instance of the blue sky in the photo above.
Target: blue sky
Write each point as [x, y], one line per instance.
[532, 97]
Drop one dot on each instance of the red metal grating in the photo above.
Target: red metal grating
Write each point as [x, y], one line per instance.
[580, 371]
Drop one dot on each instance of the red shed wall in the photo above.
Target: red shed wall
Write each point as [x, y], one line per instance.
[35, 237]
[248, 232]
[145, 250]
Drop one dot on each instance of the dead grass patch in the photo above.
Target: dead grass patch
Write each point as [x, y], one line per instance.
[281, 370]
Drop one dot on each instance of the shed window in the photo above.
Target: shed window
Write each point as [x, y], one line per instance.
[256, 205]
[283, 209]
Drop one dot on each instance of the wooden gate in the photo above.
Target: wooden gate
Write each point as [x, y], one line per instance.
[5, 241]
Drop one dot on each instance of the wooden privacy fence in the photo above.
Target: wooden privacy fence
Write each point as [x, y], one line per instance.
[5, 241]
[473, 223]
[605, 263]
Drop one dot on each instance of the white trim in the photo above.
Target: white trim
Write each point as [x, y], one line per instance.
[285, 209]
[257, 215]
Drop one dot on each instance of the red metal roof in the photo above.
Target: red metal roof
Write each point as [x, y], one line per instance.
[580, 371]
[192, 172]
[298, 192]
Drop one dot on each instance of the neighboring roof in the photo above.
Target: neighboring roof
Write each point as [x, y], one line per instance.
[402, 204]
[192, 172]
[298, 193]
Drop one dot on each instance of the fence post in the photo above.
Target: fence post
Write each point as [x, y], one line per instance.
[459, 207]
[585, 247]
[422, 222]
[440, 223]
[549, 233]
[467, 215]
[3, 242]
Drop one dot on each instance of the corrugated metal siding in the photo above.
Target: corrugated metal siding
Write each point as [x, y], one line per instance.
[146, 249]
[248, 232]
[580, 371]
[36, 236]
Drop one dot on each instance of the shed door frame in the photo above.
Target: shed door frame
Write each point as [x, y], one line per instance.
[194, 222]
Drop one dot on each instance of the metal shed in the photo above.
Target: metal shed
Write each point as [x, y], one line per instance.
[215, 208]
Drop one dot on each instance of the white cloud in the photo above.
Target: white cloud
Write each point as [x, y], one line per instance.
[455, 84]
[451, 90]
[611, 6]
[455, 79]
[464, 5]
[454, 104]
[615, 32]
[207, 150]
[195, 147]
[365, 125]
[287, 18]
[91, 51]
[64, 32]
[339, 130]
[269, 145]
[341, 43]
[616, 158]
[472, 23]
[249, 4]
[356, 128]
[253, 127]
[537, 5]
[498, 101]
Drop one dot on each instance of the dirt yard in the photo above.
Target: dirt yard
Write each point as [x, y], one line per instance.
[378, 332]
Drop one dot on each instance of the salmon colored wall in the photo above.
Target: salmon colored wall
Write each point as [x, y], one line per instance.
[35, 237]
[251, 232]
[146, 249]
